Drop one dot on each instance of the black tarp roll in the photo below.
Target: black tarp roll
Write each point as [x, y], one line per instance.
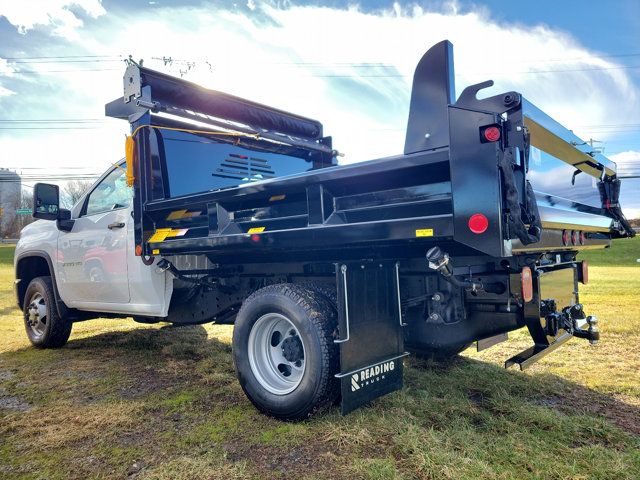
[168, 90]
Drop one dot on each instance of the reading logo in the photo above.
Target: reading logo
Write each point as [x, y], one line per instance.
[371, 375]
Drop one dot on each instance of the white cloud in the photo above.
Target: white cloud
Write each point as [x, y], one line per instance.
[627, 160]
[56, 13]
[6, 69]
[5, 92]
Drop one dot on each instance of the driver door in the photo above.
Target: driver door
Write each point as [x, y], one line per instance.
[92, 261]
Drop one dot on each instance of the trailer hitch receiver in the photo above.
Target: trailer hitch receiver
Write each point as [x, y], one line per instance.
[559, 328]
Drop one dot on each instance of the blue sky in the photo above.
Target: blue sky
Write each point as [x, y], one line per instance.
[348, 64]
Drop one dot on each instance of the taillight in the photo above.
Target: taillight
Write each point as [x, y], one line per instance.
[526, 278]
[565, 237]
[585, 272]
[575, 237]
[491, 134]
[583, 238]
[478, 223]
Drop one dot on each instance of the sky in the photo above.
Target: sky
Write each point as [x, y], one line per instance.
[347, 64]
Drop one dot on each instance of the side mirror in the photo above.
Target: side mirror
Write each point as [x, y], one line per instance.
[46, 201]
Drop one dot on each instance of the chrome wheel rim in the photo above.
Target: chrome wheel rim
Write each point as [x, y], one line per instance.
[36, 315]
[276, 354]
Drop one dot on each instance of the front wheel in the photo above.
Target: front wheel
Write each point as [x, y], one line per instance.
[45, 328]
[284, 353]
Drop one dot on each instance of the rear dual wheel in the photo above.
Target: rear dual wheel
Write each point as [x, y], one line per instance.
[284, 353]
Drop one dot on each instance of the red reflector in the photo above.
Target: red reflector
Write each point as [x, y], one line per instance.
[478, 223]
[255, 237]
[492, 134]
[565, 237]
[583, 237]
[138, 250]
[585, 272]
[527, 284]
[575, 237]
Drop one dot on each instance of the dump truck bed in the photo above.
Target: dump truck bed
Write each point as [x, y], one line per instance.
[272, 189]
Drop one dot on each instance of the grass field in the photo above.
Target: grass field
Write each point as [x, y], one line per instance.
[125, 400]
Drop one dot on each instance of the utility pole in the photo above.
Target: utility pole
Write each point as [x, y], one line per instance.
[596, 149]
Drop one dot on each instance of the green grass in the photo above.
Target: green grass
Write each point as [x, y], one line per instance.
[6, 254]
[624, 252]
[163, 403]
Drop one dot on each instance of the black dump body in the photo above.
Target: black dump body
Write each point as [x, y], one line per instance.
[495, 183]
[447, 173]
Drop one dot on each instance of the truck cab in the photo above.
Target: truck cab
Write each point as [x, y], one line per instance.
[89, 257]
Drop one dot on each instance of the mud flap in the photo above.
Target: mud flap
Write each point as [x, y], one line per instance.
[370, 323]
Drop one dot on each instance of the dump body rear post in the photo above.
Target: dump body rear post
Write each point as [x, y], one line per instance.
[333, 274]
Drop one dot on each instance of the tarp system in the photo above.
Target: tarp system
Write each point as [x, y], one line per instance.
[168, 91]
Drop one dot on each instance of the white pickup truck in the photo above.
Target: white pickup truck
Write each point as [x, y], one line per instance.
[90, 270]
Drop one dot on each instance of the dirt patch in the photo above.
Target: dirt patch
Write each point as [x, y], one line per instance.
[10, 402]
[6, 374]
[288, 462]
[586, 401]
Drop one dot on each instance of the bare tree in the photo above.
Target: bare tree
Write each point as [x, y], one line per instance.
[73, 191]
[20, 221]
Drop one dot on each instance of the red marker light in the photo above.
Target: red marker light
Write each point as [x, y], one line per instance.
[575, 237]
[255, 237]
[527, 284]
[565, 237]
[491, 134]
[583, 238]
[478, 223]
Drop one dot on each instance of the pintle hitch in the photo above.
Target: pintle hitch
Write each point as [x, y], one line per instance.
[556, 328]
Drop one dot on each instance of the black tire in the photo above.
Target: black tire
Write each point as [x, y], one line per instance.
[323, 289]
[315, 319]
[53, 331]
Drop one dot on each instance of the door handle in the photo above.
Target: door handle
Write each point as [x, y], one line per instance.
[113, 225]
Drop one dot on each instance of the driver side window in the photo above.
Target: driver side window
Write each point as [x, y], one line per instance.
[110, 194]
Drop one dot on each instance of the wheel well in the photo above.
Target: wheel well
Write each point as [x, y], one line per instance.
[27, 269]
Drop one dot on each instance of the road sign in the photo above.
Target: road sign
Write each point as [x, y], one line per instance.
[23, 211]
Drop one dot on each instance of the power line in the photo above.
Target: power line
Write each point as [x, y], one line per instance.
[169, 60]
[40, 62]
[20, 72]
[51, 120]
[527, 72]
[63, 57]
[49, 128]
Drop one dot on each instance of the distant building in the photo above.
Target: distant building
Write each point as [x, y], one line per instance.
[10, 193]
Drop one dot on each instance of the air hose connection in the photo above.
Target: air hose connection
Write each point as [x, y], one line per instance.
[441, 263]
